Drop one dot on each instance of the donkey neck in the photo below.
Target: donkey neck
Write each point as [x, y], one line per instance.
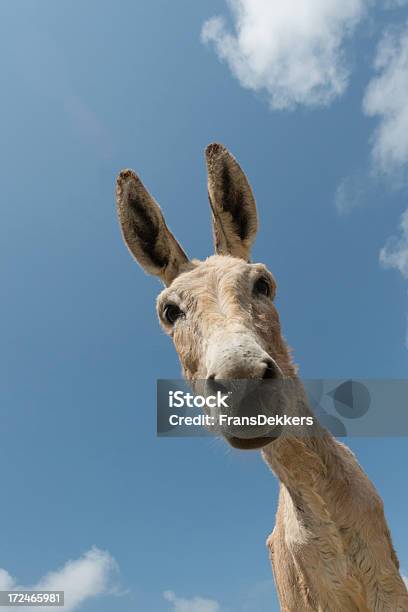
[314, 470]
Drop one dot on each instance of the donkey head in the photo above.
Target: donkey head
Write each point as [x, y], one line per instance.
[220, 312]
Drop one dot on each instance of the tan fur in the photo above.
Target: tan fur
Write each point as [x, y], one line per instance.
[331, 549]
[226, 240]
[143, 226]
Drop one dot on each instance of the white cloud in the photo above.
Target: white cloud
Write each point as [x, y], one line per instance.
[395, 253]
[7, 582]
[80, 579]
[350, 193]
[196, 604]
[292, 50]
[386, 97]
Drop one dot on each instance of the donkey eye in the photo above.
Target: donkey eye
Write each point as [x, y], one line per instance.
[262, 287]
[171, 313]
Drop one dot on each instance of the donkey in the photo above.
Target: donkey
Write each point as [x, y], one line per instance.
[331, 549]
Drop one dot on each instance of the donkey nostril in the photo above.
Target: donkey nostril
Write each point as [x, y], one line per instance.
[214, 385]
[271, 371]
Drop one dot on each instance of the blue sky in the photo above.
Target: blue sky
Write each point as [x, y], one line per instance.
[89, 492]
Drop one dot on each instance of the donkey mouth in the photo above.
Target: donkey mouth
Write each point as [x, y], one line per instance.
[250, 443]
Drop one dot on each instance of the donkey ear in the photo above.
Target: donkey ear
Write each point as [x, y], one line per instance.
[144, 230]
[235, 220]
